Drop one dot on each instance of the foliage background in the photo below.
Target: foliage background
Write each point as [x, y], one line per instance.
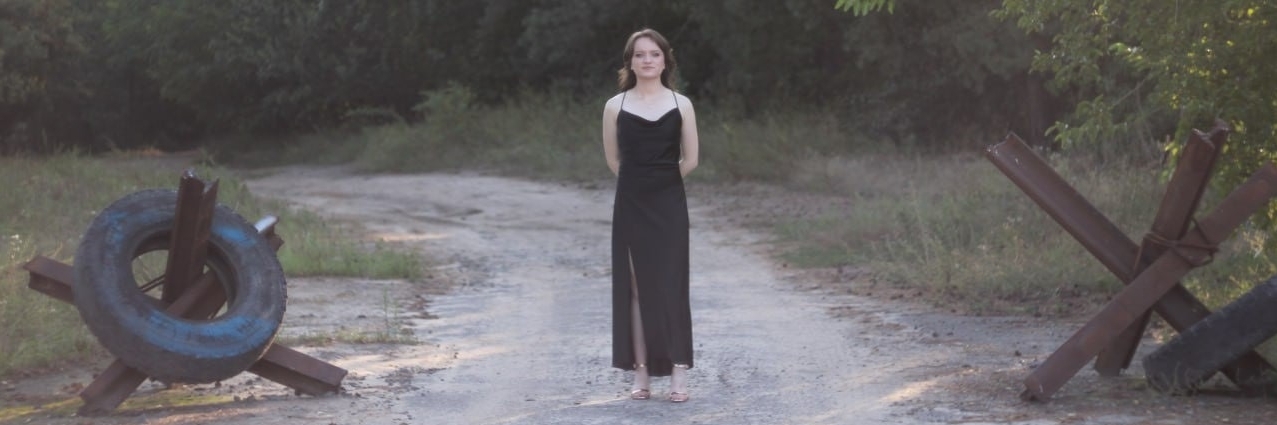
[176, 74]
[887, 107]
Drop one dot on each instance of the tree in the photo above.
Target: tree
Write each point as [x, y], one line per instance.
[865, 7]
[1157, 69]
[985, 87]
[40, 52]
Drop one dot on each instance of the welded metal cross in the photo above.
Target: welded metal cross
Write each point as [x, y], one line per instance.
[194, 295]
[1151, 270]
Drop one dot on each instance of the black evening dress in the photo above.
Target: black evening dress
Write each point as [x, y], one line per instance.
[649, 238]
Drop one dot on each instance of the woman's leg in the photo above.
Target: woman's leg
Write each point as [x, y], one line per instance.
[642, 382]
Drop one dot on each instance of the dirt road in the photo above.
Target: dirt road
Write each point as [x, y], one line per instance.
[531, 335]
[525, 336]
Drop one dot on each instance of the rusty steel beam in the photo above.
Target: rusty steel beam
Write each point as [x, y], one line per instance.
[303, 373]
[1127, 306]
[109, 389]
[119, 380]
[281, 364]
[188, 242]
[1183, 194]
[52, 278]
[1034, 176]
[299, 371]
[1178, 306]
[207, 298]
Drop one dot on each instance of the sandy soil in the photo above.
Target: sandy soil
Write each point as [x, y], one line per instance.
[522, 333]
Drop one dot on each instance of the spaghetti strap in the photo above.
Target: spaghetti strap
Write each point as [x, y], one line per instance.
[623, 99]
[650, 251]
[675, 98]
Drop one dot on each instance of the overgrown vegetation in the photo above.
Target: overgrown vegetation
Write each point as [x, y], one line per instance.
[180, 73]
[846, 104]
[1145, 66]
[950, 225]
[961, 231]
[49, 201]
[557, 137]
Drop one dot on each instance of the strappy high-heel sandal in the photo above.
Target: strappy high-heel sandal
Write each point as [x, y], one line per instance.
[640, 393]
[676, 396]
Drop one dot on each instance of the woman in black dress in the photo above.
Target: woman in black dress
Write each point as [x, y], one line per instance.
[649, 139]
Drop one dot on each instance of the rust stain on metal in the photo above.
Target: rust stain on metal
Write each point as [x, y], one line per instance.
[1097, 234]
[188, 241]
[110, 388]
[299, 371]
[1195, 249]
[1174, 214]
[51, 277]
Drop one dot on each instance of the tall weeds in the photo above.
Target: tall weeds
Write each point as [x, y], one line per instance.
[958, 229]
[557, 137]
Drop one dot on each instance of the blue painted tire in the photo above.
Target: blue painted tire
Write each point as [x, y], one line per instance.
[136, 329]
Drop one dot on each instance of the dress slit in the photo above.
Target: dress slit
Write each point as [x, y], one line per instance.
[650, 245]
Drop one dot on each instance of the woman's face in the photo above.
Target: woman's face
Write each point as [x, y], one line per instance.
[648, 60]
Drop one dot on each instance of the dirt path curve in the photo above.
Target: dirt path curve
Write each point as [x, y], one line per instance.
[527, 340]
[524, 337]
[530, 336]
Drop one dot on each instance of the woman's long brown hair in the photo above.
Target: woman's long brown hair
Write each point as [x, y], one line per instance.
[625, 78]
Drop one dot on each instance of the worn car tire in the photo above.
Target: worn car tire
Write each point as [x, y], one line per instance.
[136, 329]
[1182, 364]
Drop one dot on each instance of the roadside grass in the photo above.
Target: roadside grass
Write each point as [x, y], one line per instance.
[331, 147]
[557, 137]
[65, 405]
[49, 201]
[349, 336]
[949, 225]
[959, 230]
[392, 330]
[550, 137]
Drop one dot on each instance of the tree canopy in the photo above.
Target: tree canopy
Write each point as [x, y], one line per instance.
[169, 73]
[1151, 69]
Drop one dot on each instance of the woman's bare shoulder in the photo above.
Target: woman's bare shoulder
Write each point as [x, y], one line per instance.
[614, 103]
[682, 100]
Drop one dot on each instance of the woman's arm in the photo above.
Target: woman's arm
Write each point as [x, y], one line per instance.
[610, 111]
[691, 141]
